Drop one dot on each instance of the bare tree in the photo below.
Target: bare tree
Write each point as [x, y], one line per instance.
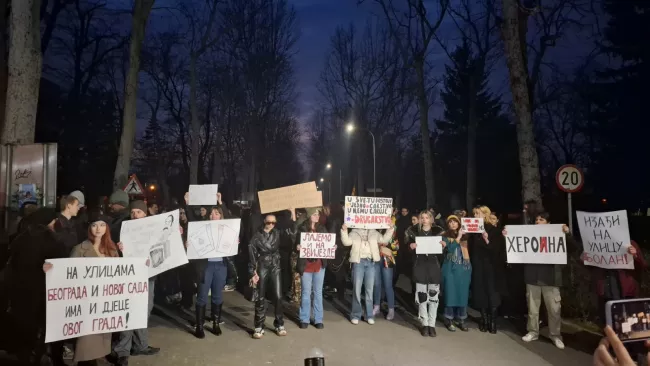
[414, 29]
[24, 72]
[141, 11]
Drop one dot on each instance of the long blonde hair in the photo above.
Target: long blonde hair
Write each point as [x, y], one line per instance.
[484, 210]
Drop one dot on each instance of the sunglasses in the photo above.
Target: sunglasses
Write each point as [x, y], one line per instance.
[270, 223]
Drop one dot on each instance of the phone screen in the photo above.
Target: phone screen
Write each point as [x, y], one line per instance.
[630, 319]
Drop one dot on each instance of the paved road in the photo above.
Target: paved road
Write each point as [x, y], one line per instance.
[385, 343]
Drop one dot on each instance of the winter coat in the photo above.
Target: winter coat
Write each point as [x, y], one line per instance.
[488, 264]
[116, 223]
[355, 239]
[426, 267]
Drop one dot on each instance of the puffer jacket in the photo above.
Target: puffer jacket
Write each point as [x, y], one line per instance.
[426, 267]
[355, 239]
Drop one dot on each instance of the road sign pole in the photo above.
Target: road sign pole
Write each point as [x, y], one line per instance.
[570, 204]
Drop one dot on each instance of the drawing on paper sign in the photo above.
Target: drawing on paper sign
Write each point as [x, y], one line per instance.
[161, 250]
[202, 241]
[226, 239]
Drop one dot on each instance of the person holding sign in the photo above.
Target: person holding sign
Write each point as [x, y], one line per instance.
[456, 274]
[312, 273]
[363, 255]
[426, 274]
[92, 347]
[543, 281]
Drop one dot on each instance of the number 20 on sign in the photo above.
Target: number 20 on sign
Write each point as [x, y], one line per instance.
[569, 178]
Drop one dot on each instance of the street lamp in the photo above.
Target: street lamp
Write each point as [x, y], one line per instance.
[329, 166]
[350, 128]
[322, 180]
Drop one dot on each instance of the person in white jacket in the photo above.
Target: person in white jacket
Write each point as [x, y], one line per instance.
[363, 255]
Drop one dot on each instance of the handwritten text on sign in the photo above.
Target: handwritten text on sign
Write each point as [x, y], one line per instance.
[605, 239]
[368, 212]
[317, 245]
[95, 295]
[472, 225]
[541, 244]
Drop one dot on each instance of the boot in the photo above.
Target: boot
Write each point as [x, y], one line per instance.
[461, 325]
[200, 318]
[483, 322]
[493, 321]
[216, 319]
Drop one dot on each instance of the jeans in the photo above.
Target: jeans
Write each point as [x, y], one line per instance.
[214, 281]
[363, 274]
[456, 312]
[312, 282]
[426, 297]
[384, 279]
[136, 340]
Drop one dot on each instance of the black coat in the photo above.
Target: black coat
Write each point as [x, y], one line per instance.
[488, 268]
[302, 262]
[426, 267]
[66, 232]
[264, 250]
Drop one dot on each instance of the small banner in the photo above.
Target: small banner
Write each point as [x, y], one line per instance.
[605, 239]
[317, 245]
[541, 244]
[368, 212]
[472, 225]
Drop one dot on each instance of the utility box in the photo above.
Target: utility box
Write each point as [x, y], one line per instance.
[27, 175]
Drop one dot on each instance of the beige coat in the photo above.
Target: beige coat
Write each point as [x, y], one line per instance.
[90, 347]
[354, 239]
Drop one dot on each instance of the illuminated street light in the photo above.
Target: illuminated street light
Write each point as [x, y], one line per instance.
[349, 127]
[322, 180]
[152, 187]
[329, 166]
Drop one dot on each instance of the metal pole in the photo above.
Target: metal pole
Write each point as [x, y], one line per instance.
[340, 185]
[570, 204]
[374, 166]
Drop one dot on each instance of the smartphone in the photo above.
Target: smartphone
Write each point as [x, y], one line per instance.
[630, 320]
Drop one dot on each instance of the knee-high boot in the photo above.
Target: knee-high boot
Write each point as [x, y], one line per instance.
[216, 318]
[483, 322]
[200, 318]
[493, 320]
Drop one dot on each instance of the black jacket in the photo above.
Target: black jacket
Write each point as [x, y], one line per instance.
[66, 232]
[263, 249]
[201, 264]
[304, 228]
[426, 267]
[116, 224]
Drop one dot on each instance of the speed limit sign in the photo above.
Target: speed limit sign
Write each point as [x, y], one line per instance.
[569, 178]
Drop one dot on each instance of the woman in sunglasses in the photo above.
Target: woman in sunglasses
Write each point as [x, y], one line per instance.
[264, 269]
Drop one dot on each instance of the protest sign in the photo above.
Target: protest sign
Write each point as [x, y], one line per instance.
[95, 295]
[157, 238]
[472, 225]
[605, 239]
[428, 245]
[203, 194]
[297, 196]
[541, 244]
[317, 245]
[368, 212]
[213, 238]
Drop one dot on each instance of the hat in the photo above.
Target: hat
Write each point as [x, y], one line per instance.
[452, 217]
[119, 197]
[312, 210]
[80, 197]
[139, 204]
[98, 216]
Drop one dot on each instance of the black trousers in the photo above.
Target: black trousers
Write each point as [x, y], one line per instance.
[286, 272]
[231, 278]
[187, 275]
[269, 272]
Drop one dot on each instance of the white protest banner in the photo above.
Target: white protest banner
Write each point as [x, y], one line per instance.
[95, 295]
[317, 245]
[605, 239]
[213, 238]
[203, 194]
[541, 244]
[368, 212]
[157, 238]
[428, 245]
[472, 225]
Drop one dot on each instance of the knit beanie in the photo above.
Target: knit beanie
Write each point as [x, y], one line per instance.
[119, 197]
[139, 204]
[312, 210]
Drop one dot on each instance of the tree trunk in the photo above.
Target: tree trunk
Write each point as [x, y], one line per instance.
[528, 160]
[4, 47]
[24, 74]
[195, 124]
[141, 11]
[427, 155]
[472, 126]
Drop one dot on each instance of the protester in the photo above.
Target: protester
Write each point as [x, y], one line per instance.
[426, 274]
[118, 205]
[64, 227]
[80, 221]
[363, 255]
[339, 267]
[384, 275]
[456, 275]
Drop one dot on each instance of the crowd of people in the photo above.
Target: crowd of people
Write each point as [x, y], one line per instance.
[471, 270]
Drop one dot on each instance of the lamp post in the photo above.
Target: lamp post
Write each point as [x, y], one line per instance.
[329, 168]
[329, 187]
[350, 128]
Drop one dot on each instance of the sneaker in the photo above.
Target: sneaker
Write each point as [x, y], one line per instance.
[391, 314]
[371, 321]
[354, 321]
[229, 288]
[530, 337]
[319, 326]
[557, 341]
[258, 333]
[281, 331]
[375, 310]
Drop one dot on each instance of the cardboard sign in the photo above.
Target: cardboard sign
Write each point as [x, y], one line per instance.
[296, 196]
[368, 212]
[541, 244]
[472, 225]
[95, 295]
[213, 239]
[156, 237]
[428, 245]
[605, 239]
[203, 194]
[317, 245]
